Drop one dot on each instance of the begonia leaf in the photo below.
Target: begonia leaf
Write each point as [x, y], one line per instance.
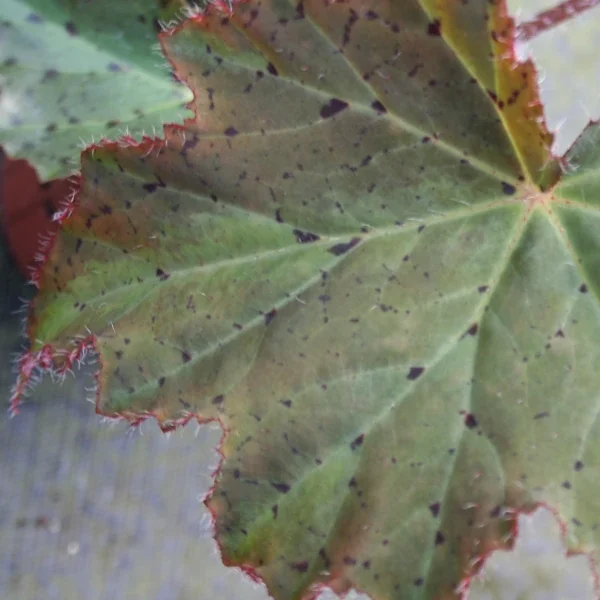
[361, 259]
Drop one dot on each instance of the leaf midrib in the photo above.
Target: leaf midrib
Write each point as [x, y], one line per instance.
[294, 248]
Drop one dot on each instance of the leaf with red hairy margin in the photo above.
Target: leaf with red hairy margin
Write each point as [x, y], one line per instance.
[354, 259]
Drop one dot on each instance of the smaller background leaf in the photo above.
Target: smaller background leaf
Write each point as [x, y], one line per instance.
[73, 71]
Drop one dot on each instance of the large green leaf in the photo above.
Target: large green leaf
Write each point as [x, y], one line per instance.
[72, 70]
[356, 258]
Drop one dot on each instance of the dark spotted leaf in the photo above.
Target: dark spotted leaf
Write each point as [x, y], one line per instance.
[72, 70]
[358, 259]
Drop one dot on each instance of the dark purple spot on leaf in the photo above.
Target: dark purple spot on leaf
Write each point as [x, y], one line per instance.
[305, 237]
[415, 373]
[583, 288]
[471, 421]
[340, 249]
[435, 28]
[218, 399]
[284, 488]
[358, 441]
[435, 509]
[50, 74]
[333, 108]
[151, 187]
[231, 132]
[301, 567]
[508, 189]
[162, 275]
[270, 316]
[189, 144]
[415, 69]
[353, 17]
[379, 108]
